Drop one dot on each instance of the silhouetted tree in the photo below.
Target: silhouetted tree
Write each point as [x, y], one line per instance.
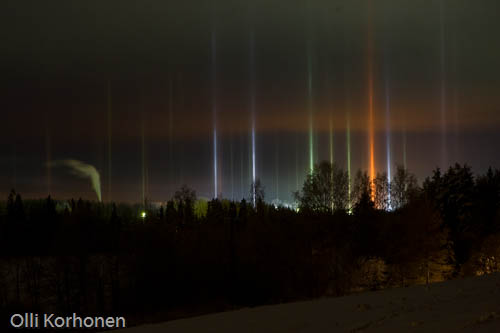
[487, 201]
[432, 186]
[15, 208]
[185, 195]
[115, 221]
[403, 187]
[243, 212]
[365, 207]
[325, 189]
[46, 226]
[257, 192]
[161, 214]
[11, 212]
[170, 212]
[417, 246]
[361, 187]
[456, 201]
[215, 211]
[382, 191]
[185, 198]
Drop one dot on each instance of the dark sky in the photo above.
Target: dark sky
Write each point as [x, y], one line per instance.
[435, 67]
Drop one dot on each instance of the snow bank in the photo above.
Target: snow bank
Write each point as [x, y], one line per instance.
[471, 304]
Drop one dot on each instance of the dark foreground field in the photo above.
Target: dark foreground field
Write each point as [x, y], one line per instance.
[464, 305]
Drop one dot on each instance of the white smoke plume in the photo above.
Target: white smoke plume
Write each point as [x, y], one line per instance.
[82, 170]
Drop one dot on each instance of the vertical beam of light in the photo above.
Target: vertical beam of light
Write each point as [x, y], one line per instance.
[276, 166]
[370, 103]
[388, 130]
[310, 88]
[330, 118]
[296, 162]
[242, 193]
[330, 122]
[444, 157]
[214, 111]
[231, 165]
[252, 109]
[143, 165]
[388, 133]
[456, 103]
[372, 152]
[254, 177]
[14, 166]
[405, 163]
[310, 108]
[48, 154]
[248, 142]
[249, 169]
[348, 142]
[171, 132]
[181, 107]
[109, 137]
[347, 108]
[330, 130]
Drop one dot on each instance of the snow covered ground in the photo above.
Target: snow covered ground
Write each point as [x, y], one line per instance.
[470, 305]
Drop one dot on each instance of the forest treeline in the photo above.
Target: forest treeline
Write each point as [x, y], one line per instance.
[190, 256]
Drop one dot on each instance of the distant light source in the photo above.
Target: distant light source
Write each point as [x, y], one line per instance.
[143, 215]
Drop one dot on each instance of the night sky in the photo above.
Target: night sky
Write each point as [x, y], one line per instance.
[148, 92]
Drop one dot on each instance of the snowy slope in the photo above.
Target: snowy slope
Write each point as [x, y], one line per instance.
[461, 305]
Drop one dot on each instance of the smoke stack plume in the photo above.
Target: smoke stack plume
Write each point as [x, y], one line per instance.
[81, 170]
